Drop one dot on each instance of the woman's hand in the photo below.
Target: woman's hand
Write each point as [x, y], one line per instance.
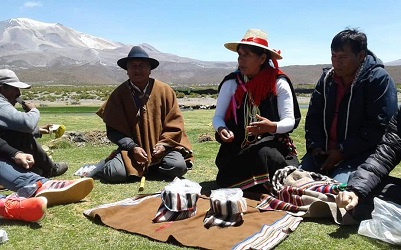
[225, 134]
[263, 125]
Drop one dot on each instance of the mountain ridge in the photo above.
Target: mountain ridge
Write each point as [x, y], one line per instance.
[51, 53]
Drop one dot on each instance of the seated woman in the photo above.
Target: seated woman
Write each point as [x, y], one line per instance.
[255, 112]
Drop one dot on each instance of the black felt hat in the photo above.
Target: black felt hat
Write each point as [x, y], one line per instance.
[137, 53]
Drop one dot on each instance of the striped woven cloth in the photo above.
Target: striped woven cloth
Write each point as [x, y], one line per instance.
[296, 189]
[213, 219]
[293, 199]
[253, 181]
[164, 214]
[270, 235]
[306, 194]
[178, 200]
[293, 176]
[226, 208]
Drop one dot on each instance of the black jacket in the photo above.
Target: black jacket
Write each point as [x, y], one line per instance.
[364, 111]
[6, 151]
[378, 166]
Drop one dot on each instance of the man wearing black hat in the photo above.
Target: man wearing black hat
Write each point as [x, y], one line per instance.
[18, 128]
[143, 119]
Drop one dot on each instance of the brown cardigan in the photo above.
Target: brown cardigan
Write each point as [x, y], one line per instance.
[159, 121]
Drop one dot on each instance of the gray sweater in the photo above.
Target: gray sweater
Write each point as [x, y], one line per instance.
[12, 119]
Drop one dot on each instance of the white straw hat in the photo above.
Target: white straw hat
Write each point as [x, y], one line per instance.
[257, 38]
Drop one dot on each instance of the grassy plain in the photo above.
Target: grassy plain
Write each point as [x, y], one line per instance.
[65, 227]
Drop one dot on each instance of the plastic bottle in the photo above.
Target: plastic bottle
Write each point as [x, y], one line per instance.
[29, 190]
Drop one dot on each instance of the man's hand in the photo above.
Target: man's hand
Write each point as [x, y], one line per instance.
[24, 160]
[27, 106]
[225, 134]
[347, 199]
[158, 151]
[334, 156]
[45, 129]
[318, 151]
[140, 155]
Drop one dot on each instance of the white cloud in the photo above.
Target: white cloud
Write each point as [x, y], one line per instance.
[31, 4]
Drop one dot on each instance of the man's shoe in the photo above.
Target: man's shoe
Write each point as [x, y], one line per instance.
[25, 209]
[37, 171]
[58, 169]
[65, 192]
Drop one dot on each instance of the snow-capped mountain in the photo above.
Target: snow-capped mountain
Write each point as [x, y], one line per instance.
[32, 35]
[29, 45]
[52, 53]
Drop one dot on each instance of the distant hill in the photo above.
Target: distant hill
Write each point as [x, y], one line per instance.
[395, 72]
[50, 53]
[310, 74]
[394, 63]
[304, 74]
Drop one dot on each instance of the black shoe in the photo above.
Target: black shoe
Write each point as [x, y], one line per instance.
[37, 171]
[59, 169]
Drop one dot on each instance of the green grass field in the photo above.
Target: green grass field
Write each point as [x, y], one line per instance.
[65, 227]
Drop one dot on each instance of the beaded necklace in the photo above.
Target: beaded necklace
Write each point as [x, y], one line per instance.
[250, 112]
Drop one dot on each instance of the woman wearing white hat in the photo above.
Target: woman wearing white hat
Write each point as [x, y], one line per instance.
[256, 110]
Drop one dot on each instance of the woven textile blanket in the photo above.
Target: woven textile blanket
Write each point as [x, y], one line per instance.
[259, 229]
[306, 194]
[267, 222]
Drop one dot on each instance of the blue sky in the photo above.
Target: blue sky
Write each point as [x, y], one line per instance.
[198, 29]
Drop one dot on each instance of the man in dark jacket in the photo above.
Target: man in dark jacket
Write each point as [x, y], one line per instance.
[349, 108]
[372, 179]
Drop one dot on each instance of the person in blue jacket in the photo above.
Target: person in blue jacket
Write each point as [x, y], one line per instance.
[372, 178]
[349, 109]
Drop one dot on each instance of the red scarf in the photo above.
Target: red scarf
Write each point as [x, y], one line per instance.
[260, 87]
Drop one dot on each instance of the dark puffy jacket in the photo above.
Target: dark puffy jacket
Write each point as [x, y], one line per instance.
[364, 111]
[6, 151]
[378, 166]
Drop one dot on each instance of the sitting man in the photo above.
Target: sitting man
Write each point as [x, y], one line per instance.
[372, 179]
[143, 118]
[19, 129]
[15, 174]
[349, 108]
